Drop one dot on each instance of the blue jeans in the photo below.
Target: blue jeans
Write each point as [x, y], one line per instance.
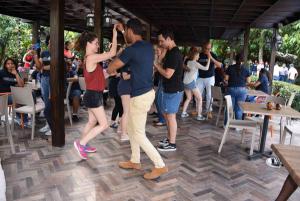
[291, 81]
[171, 102]
[237, 94]
[281, 78]
[158, 102]
[45, 88]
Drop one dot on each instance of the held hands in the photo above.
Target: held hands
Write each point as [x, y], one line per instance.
[120, 27]
[115, 33]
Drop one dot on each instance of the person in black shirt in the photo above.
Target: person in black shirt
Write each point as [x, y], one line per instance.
[238, 77]
[9, 76]
[172, 72]
[207, 78]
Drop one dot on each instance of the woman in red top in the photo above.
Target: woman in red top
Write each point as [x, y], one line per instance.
[27, 59]
[95, 84]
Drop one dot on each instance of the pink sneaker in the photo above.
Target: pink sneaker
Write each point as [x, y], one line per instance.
[80, 149]
[90, 149]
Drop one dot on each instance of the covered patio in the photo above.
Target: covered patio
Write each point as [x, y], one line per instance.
[49, 168]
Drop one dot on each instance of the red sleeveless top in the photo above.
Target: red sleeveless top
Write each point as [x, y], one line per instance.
[94, 80]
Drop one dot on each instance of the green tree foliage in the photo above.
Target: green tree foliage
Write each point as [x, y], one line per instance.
[291, 39]
[14, 38]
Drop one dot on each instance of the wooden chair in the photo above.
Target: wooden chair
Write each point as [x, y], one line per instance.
[241, 124]
[4, 112]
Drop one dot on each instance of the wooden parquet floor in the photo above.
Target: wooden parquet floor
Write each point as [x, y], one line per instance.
[40, 172]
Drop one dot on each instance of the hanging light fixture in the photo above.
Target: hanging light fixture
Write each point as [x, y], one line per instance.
[107, 18]
[90, 20]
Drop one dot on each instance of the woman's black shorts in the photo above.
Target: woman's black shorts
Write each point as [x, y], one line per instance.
[93, 99]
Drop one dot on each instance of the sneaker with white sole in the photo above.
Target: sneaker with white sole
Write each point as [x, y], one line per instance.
[200, 118]
[184, 115]
[164, 142]
[48, 133]
[80, 149]
[44, 129]
[124, 137]
[90, 149]
[168, 147]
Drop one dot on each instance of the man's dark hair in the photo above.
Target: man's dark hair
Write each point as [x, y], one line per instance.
[136, 26]
[167, 33]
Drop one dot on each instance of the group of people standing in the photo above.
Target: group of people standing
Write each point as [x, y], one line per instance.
[285, 73]
[135, 65]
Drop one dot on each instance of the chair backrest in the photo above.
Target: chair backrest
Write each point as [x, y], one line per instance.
[229, 108]
[82, 83]
[3, 104]
[275, 99]
[216, 93]
[22, 95]
[291, 99]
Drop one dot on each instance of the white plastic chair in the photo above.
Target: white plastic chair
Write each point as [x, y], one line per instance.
[67, 102]
[4, 112]
[240, 124]
[217, 95]
[291, 130]
[23, 96]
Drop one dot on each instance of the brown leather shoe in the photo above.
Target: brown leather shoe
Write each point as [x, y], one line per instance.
[209, 115]
[130, 165]
[155, 173]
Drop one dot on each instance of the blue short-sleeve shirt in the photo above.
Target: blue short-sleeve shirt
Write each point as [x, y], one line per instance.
[139, 56]
[237, 78]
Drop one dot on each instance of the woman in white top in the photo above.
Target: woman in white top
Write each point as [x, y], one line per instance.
[189, 81]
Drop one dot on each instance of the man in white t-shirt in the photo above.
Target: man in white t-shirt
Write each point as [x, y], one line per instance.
[293, 74]
[276, 72]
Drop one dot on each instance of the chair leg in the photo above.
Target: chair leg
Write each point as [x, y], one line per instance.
[252, 142]
[219, 113]
[243, 136]
[9, 135]
[260, 133]
[13, 121]
[291, 139]
[33, 126]
[69, 113]
[223, 139]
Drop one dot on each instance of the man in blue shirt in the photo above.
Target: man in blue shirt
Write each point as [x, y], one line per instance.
[139, 56]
